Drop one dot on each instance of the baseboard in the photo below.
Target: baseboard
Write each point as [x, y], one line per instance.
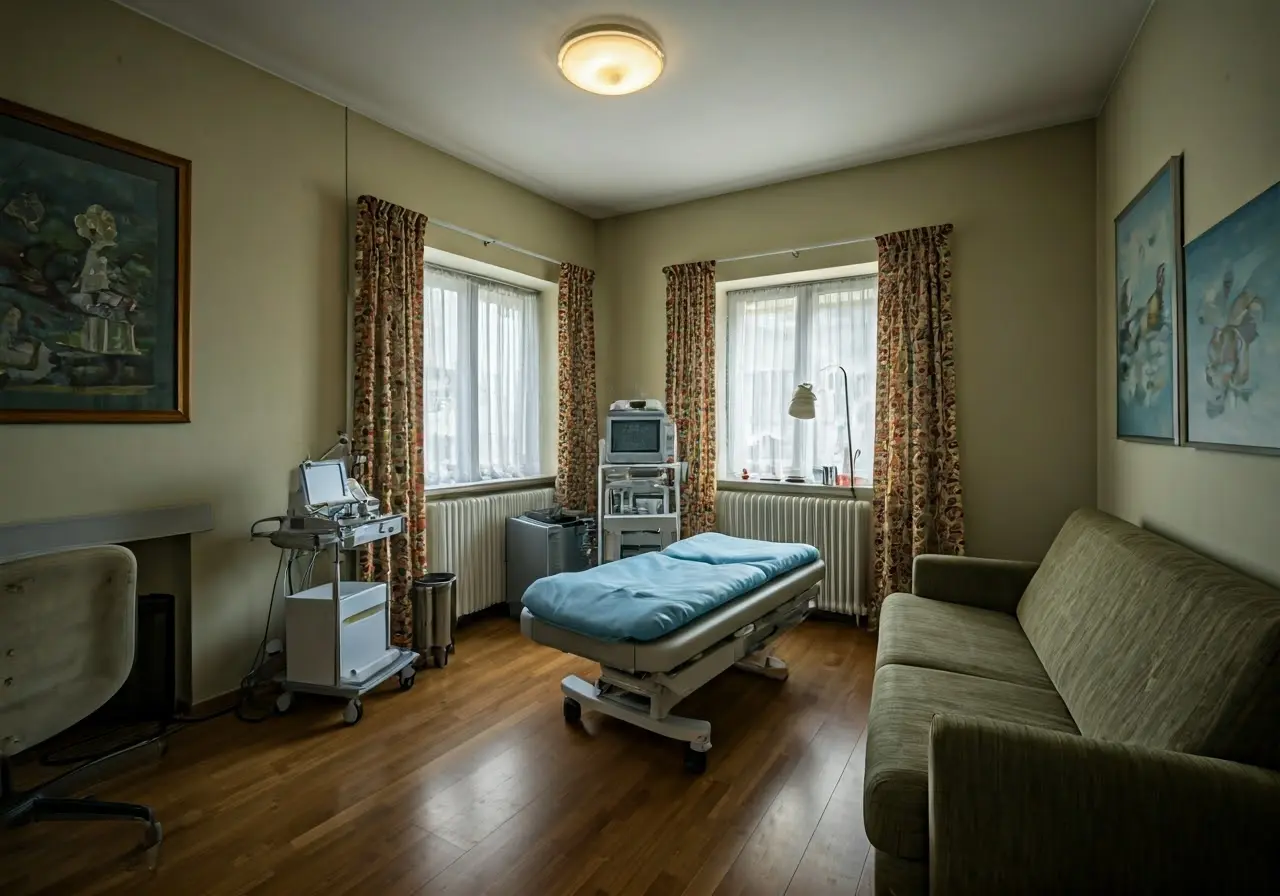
[220, 703]
[497, 611]
[842, 618]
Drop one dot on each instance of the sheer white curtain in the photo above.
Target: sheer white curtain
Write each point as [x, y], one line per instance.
[779, 336]
[481, 379]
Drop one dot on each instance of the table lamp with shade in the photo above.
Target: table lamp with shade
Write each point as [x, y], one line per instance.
[804, 407]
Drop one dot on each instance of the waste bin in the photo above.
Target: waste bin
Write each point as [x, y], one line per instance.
[435, 610]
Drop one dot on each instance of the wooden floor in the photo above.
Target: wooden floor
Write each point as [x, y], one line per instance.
[472, 783]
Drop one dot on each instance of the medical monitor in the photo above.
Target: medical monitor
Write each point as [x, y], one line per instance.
[637, 437]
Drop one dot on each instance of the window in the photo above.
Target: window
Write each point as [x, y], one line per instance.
[779, 336]
[480, 390]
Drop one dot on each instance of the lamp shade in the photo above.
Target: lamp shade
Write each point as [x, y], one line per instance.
[802, 402]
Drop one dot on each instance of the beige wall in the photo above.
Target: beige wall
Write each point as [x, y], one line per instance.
[268, 309]
[1201, 80]
[1023, 274]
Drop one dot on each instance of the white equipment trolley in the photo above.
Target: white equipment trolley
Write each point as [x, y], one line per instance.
[338, 635]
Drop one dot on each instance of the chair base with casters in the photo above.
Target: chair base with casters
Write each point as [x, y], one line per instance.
[67, 633]
[23, 807]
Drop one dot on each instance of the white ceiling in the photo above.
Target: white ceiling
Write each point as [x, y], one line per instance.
[755, 91]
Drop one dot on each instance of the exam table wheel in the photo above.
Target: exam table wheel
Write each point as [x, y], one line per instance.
[572, 710]
[695, 761]
[407, 678]
[353, 712]
[284, 702]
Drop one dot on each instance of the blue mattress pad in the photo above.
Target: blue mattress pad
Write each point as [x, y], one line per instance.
[651, 595]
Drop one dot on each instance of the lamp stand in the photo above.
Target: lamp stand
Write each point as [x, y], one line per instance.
[848, 430]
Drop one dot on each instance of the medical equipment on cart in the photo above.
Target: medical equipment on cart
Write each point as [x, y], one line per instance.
[638, 481]
[645, 621]
[337, 635]
[638, 431]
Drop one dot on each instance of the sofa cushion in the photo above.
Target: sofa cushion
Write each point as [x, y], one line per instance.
[934, 634]
[904, 700]
[1150, 643]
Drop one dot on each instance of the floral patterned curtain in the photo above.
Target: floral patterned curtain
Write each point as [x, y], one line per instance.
[916, 486]
[577, 450]
[388, 393]
[691, 387]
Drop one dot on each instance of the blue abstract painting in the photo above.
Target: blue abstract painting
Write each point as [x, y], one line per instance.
[1233, 329]
[1148, 254]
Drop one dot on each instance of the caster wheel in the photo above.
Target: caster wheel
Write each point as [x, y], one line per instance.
[353, 712]
[407, 678]
[572, 710]
[284, 702]
[695, 762]
[151, 843]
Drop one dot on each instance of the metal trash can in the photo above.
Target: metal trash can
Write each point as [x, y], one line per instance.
[435, 610]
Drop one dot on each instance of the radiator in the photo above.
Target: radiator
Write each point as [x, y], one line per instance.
[838, 527]
[467, 536]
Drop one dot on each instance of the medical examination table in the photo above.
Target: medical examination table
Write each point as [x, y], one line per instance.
[640, 682]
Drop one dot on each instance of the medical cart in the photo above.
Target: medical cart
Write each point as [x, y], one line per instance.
[338, 635]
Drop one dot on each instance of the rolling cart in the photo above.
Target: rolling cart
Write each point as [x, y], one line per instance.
[338, 635]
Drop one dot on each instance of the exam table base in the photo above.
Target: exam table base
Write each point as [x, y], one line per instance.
[646, 701]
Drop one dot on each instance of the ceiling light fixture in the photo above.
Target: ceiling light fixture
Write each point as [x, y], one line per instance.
[610, 59]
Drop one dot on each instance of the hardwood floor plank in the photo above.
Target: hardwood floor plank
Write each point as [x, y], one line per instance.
[834, 857]
[867, 881]
[471, 783]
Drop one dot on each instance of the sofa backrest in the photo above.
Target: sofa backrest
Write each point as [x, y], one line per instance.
[1150, 643]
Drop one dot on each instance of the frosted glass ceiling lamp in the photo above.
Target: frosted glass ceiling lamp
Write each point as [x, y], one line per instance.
[610, 59]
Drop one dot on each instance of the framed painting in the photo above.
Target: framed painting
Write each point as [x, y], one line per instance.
[94, 248]
[1148, 237]
[1232, 341]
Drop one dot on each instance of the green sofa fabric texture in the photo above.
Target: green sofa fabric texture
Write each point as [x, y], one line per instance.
[903, 703]
[1106, 721]
[934, 634]
[1152, 644]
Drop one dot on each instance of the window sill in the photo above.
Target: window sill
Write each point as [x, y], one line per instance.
[490, 486]
[809, 489]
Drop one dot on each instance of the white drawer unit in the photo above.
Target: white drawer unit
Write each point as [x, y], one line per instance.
[320, 653]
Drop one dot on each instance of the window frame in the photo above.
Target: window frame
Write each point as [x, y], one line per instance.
[729, 478]
[469, 272]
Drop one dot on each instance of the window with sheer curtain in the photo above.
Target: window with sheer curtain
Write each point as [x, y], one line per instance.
[779, 336]
[480, 390]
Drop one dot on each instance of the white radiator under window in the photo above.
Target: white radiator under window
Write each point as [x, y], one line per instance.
[838, 527]
[467, 535]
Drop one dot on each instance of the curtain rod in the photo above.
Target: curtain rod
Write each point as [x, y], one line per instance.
[798, 250]
[489, 240]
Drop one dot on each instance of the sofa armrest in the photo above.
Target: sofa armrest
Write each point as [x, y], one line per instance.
[987, 584]
[1014, 809]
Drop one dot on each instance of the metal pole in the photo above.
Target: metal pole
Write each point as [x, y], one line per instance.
[848, 431]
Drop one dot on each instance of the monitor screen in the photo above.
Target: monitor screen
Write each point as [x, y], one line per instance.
[325, 482]
[635, 436]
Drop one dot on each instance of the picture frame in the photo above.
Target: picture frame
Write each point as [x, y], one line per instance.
[1231, 341]
[1149, 288]
[95, 246]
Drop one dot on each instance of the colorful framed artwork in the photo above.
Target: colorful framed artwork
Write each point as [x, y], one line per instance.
[1148, 236]
[94, 248]
[1232, 345]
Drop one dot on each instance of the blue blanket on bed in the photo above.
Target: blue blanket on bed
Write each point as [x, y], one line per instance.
[644, 597]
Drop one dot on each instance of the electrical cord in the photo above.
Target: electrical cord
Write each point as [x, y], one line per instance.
[246, 709]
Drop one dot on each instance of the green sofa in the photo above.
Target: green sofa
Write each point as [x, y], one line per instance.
[1107, 721]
